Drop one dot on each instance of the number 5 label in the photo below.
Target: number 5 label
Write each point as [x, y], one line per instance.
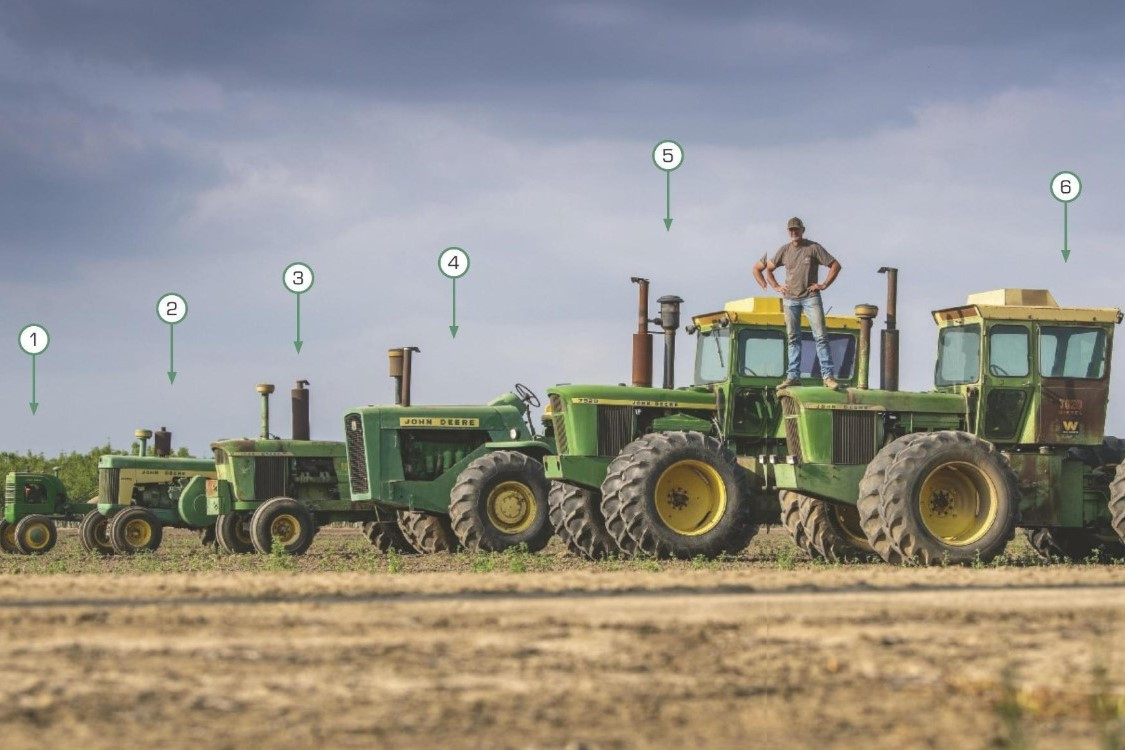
[171, 308]
[453, 262]
[668, 155]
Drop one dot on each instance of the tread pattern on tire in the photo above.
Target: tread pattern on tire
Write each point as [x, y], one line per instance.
[225, 537]
[1072, 545]
[385, 535]
[260, 534]
[467, 515]
[1117, 501]
[87, 534]
[870, 498]
[815, 531]
[429, 533]
[576, 516]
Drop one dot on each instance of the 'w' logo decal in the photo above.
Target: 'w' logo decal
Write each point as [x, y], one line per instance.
[1070, 426]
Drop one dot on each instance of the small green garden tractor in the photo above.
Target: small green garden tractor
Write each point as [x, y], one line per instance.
[468, 476]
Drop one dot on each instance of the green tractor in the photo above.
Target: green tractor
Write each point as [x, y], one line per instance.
[468, 476]
[274, 491]
[138, 496]
[1011, 435]
[32, 505]
[674, 472]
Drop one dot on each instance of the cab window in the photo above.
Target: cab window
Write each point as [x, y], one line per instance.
[1008, 351]
[1071, 352]
[712, 353]
[958, 355]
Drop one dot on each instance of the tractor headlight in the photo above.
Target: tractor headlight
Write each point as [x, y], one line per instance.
[513, 433]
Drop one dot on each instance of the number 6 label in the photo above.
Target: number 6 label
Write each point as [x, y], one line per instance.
[453, 262]
[171, 308]
[1065, 186]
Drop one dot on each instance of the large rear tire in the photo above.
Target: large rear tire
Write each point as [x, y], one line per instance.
[679, 494]
[1073, 545]
[232, 533]
[429, 533]
[949, 497]
[576, 515]
[870, 499]
[285, 521]
[1117, 501]
[385, 534]
[824, 530]
[36, 535]
[500, 501]
[93, 534]
[133, 530]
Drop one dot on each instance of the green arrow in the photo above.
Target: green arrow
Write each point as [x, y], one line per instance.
[171, 353]
[1066, 243]
[453, 328]
[668, 201]
[298, 343]
[34, 403]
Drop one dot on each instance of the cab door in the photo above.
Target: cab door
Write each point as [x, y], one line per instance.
[1006, 382]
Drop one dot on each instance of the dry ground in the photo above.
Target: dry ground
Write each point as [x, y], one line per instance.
[346, 648]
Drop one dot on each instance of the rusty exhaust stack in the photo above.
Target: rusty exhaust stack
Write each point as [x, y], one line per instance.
[265, 389]
[399, 362]
[866, 315]
[642, 339]
[888, 352]
[162, 445]
[300, 400]
[669, 320]
[143, 436]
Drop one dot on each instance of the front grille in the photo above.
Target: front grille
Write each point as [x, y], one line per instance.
[558, 418]
[269, 477]
[792, 434]
[853, 437]
[357, 452]
[109, 483]
[615, 429]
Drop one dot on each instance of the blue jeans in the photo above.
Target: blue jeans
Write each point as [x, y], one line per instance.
[814, 311]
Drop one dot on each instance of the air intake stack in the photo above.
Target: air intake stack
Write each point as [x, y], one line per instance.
[866, 315]
[669, 320]
[265, 389]
[143, 436]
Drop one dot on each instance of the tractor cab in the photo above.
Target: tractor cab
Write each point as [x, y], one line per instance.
[1032, 372]
[26, 493]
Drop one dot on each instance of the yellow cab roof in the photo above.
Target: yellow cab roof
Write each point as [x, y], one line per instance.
[1024, 304]
[766, 311]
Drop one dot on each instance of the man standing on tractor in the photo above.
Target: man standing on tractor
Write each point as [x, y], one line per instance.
[802, 260]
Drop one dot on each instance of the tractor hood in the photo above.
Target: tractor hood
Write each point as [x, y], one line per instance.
[818, 397]
[636, 397]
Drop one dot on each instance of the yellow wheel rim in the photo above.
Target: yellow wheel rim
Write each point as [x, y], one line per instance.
[138, 533]
[10, 536]
[690, 497]
[36, 536]
[285, 528]
[847, 518]
[958, 503]
[511, 507]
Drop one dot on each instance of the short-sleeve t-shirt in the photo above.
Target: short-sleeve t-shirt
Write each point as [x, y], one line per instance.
[802, 260]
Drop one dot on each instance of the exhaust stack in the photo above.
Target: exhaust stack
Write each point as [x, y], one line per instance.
[888, 353]
[866, 315]
[642, 339]
[669, 320]
[162, 445]
[300, 401]
[265, 389]
[399, 363]
[143, 436]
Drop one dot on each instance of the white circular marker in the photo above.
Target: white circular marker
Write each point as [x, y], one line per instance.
[668, 155]
[34, 339]
[1066, 186]
[171, 308]
[298, 278]
[453, 262]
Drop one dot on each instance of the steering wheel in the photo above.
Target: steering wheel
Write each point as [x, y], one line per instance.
[998, 370]
[527, 396]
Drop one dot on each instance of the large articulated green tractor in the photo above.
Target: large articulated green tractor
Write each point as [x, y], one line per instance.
[468, 476]
[1011, 435]
[138, 496]
[674, 472]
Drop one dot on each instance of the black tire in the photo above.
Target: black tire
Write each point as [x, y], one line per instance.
[928, 493]
[286, 520]
[824, 530]
[8, 538]
[1073, 545]
[576, 516]
[385, 534]
[232, 533]
[429, 533]
[207, 536]
[93, 534]
[1117, 501]
[500, 501]
[36, 535]
[133, 530]
[679, 494]
[870, 499]
[1110, 453]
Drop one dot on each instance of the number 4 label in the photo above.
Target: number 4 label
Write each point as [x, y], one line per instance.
[453, 262]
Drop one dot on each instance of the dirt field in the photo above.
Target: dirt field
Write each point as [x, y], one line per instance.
[521, 651]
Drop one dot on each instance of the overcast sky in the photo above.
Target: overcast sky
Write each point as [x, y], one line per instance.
[148, 147]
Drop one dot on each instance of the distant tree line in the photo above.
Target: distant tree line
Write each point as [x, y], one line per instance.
[78, 471]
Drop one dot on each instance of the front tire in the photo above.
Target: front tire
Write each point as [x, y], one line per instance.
[500, 501]
[133, 530]
[576, 515]
[949, 497]
[36, 535]
[232, 533]
[8, 538]
[429, 533]
[679, 494]
[93, 534]
[824, 530]
[285, 521]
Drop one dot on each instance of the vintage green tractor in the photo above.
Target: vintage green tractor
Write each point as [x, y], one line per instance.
[1012, 435]
[33, 504]
[457, 475]
[271, 490]
[140, 495]
[673, 472]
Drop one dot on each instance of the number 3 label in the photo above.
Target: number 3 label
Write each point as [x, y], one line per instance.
[1065, 186]
[171, 308]
[668, 155]
[453, 262]
[298, 277]
[34, 339]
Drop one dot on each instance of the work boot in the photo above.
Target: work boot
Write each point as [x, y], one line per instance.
[788, 382]
[830, 382]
